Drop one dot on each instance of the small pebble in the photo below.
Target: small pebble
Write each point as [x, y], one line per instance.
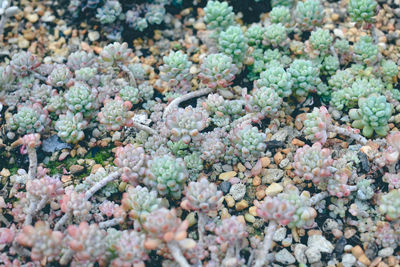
[279, 234]
[348, 260]
[285, 257]
[249, 218]
[225, 186]
[299, 253]
[386, 252]
[230, 202]
[313, 254]
[287, 241]
[238, 191]
[227, 175]
[243, 204]
[273, 189]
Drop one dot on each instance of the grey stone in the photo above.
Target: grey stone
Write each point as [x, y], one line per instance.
[320, 242]
[348, 260]
[272, 175]
[281, 134]
[299, 253]
[238, 191]
[313, 254]
[386, 252]
[285, 257]
[280, 234]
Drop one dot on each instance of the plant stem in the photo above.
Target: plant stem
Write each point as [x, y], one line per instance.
[174, 103]
[348, 132]
[32, 163]
[263, 252]
[177, 254]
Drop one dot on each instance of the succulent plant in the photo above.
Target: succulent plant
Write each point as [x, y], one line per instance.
[389, 69]
[304, 214]
[139, 202]
[167, 174]
[264, 101]
[249, 143]
[115, 53]
[230, 231]
[155, 14]
[74, 203]
[130, 250]
[212, 147]
[309, 15]
[115, 114]
[316, 125]
[330, 65]
[305, 77]
[87, 242]
[365, 51]
[29, 119]
[175, 70]
[321, 40]
[373, 115]
[286, 3]
[254, 35]
[70, 127]
[218, 15]
[276, 78]
[389, 204]
[80, 59]
[130, 160]
[280, 14]
[164, 225]
[80, 98]
[217, 71]
[186, 124]
[232, 42]
[60, 76]
[362, 10]
[341, 79]
[44, 242]
[109, 189]
[342, 46]
[202, 196]
[87, 75]
[24, 62]
[109, 12]
[130, 93]
[275, 209]
[275, 35]
[313, 163]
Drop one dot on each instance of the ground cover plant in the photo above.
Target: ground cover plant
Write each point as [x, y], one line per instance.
[199, 133]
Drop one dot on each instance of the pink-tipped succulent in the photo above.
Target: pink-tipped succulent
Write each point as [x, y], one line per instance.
[316, 125]
[87, 241]
[44, 188]
[115, 114]
[392, 153]
[313, 163]
[275, 209]
[163, 225]
[202, 196]
[186, 124]
[44, 242]
[130, 161]
[74, 203]
[231, 231]
[31, 140]
[337, 185]
[130, 250]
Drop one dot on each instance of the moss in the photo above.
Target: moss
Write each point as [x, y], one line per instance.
[101, 155]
